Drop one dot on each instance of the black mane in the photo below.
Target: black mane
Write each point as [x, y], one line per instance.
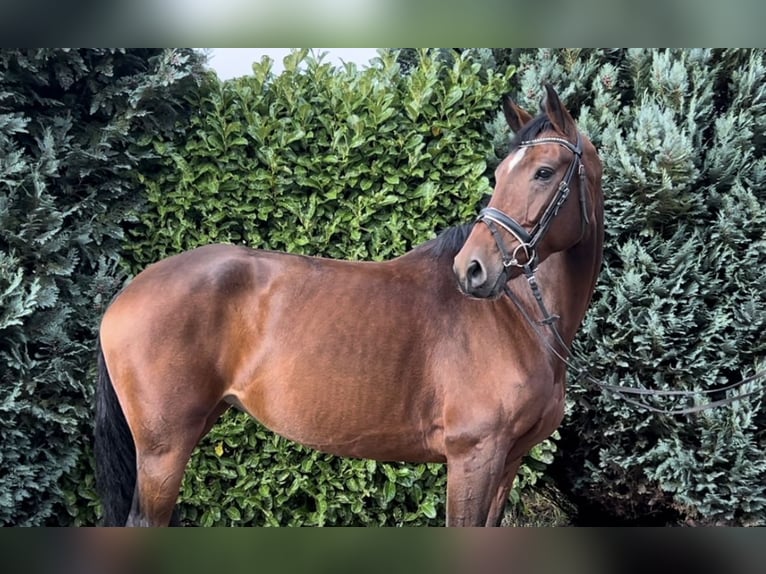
[530, 131]
[449, 241]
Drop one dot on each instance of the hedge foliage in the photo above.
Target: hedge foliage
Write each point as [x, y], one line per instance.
[71, 127]
[346, 163]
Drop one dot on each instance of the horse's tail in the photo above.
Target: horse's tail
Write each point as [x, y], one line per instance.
[114, 450]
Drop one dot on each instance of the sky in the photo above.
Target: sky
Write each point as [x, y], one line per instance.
[234, 62]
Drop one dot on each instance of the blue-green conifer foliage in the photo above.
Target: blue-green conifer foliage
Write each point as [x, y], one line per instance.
[681, 300]
[73, 129]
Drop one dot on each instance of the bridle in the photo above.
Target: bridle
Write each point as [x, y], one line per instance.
[528, 241]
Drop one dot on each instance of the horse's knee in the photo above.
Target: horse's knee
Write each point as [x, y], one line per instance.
[497, 508]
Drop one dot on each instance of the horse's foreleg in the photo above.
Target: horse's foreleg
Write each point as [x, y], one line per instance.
[474, 474]
[501, 498]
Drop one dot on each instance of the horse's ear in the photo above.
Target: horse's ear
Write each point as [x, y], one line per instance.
[557, 113]
[514, 115]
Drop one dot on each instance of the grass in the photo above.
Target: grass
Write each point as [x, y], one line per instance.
[543, 506]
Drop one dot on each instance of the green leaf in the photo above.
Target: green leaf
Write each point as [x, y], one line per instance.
[389, 492]
[428, 508]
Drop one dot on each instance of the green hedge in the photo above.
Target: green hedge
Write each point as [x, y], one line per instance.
[346, 163]
[337, 162]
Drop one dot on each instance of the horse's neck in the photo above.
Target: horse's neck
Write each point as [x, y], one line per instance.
[567, 281]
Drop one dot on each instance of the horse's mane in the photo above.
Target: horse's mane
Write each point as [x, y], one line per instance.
[530, 131]
[449, 241]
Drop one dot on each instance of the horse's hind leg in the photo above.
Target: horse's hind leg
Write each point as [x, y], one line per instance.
[158, 482]
[161, 457]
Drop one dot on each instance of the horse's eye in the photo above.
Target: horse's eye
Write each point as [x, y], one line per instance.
[544, 173]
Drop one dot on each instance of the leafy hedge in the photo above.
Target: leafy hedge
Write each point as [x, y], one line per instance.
[345, 163]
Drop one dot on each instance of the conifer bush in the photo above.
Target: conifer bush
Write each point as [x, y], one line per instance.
[681, 301]
[71, 126]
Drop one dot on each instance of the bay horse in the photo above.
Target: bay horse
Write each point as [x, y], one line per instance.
[417, 359]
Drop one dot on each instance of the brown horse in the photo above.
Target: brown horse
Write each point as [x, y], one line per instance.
[389, 360]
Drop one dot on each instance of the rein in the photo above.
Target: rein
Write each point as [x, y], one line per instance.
[583, 372]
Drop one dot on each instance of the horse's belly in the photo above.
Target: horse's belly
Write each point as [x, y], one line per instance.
[347, 429]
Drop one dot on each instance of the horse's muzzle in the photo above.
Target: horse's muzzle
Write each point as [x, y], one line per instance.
[476, 279]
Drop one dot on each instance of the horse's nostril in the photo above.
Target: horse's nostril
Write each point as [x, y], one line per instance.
[476, 274]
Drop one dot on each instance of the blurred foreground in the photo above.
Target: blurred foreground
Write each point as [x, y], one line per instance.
[336, 551]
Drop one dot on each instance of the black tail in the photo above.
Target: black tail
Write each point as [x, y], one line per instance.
[114, 450]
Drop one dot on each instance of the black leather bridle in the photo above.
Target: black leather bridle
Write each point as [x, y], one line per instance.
[529, 240]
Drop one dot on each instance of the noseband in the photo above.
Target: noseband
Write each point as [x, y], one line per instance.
[528, 241]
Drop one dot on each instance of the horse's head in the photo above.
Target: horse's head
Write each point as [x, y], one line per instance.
[541, 204]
